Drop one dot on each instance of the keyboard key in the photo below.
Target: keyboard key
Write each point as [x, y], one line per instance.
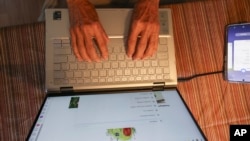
[73, 66]
[65, 81]
[57, 67]
[122, 64]
[57, 41]
[117, 79]
[66, 45]
[62, 51]
[111, 72]
[77, 74]
[146, 63]
[166, 70]
[166, 76]
[98, 65]
[158, 71]
[162, 55]
[163, 41]
[90, 66]
[119, 72]
[59, 74]
[131, 64]
[72, 81]
[138, 78]
[71, 58]
[95, 80]
[152, 77]
[65, 41]
[135, 71]
[60, 59]
[58, 81]
[138, 64]
[112, 57]
[151, 71]
[79, 81]
[65, 66]
[103, 73]
[106, 65]
[82, 66]
[163, 48]
[143, 71]
[159, 77]
[114, 65]
[69, 74]
[145, 78]
[116, 49]
[87, 81]
[163, 63]
[86, 73]
[127, 72]
[124, 79]
[154, 63]
[131, 78]
[120, 57]
[94, 73]
[102, 80]
[110, 80]
[57, 45]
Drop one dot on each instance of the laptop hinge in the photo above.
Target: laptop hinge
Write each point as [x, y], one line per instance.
[158, 86]
[66, 89]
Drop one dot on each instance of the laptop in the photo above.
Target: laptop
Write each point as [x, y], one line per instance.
[92, 107]
[64, 73]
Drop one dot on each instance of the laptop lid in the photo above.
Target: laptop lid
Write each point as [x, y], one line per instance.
[123, 116]
[116, 23]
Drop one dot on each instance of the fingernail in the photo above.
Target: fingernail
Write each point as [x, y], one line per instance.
[135, 58]
[80, 59]
[129, 55]
[105, 58]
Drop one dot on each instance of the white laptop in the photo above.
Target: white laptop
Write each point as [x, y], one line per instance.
[148, 109]
[64, 73]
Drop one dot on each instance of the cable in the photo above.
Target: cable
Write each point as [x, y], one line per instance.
[182, 79]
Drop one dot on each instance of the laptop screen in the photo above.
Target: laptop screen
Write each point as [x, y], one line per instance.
[133, 116]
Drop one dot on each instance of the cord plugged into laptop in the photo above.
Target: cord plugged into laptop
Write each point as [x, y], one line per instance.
[188, 78]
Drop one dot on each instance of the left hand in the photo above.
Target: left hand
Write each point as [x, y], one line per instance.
[144, 30]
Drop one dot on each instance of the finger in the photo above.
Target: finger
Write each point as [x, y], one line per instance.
[89, 44]
[102, 39]
[152, 46]
[91, 51]
[141, 47]
[81, 46]
[74, 44]
[132, 40]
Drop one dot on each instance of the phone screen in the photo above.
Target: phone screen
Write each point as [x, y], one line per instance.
[238, 52]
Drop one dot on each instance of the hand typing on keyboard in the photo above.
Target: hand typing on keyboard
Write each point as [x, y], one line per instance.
[85, 26]
[144, 30]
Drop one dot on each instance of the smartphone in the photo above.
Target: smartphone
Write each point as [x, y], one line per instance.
[237, 54]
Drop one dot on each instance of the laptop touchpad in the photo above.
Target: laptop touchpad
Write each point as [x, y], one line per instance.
[116, 24]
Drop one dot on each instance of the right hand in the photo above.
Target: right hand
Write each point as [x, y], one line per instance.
[86, 30]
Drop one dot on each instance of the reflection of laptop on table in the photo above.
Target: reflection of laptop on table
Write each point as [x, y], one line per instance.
[154, 110]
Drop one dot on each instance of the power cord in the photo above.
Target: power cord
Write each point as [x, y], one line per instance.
[183, 79]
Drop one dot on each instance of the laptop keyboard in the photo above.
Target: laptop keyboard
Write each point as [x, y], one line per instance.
[118, 68]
